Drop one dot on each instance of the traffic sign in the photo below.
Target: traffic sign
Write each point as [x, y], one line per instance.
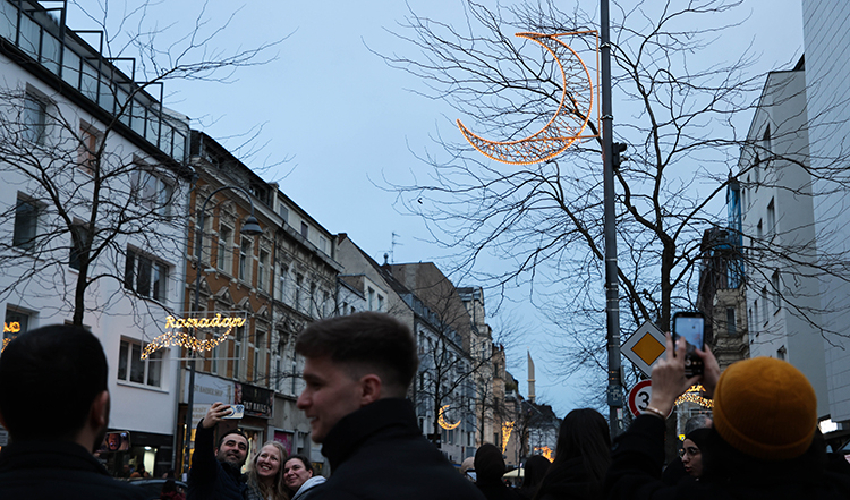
[639, 397]
[645, 347]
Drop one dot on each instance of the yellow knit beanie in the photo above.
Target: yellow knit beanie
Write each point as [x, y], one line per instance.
[765, 408]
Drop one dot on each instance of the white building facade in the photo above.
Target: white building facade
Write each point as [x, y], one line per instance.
[827, 41]
[74, 130]
[778, 221]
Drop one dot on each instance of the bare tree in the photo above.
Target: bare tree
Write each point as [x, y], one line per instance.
[681, 110]
[98, 163]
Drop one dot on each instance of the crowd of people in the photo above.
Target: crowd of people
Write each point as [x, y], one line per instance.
[762, 441]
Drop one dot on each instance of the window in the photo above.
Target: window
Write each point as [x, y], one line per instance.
[17, 322]
[284, 274]
[77, 253]
[292, 376]
[326, 304]
[767, 142]
[759, 231]
[152, 192]
[237, 349]
[764, 304]
[283, 212]
[299, 283]
[224, 259]
[27, 213]
[370, 300]
[323, 244]
[304, 231]
[313, 310]
[752, 321]
[259, 345]
[771, 219]
[132, 368]
[244, 260]
[145, 276]
[380, 302]
[731, 327]
[261, 270]
[781, 352]
[35, 119]
[775, 289]
[87, 157]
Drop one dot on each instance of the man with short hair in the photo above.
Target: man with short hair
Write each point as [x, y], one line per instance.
[215, 473]
[54, 402]
[358, 369]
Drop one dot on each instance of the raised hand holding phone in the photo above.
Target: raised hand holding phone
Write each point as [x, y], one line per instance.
[690, 326]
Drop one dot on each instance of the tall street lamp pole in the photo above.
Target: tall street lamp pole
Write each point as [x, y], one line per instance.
[250, 227]
[612, 293]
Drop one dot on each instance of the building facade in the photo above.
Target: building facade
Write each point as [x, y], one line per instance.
[93, 195]
[828, 88]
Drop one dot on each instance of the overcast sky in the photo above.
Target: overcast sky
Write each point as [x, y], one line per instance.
[347, 120]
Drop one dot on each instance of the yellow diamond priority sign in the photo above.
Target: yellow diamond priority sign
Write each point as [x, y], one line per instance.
[645, 347]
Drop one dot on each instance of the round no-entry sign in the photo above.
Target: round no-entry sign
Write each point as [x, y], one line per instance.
[639, 396]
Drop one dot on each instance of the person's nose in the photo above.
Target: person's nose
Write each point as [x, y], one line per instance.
[302, 401]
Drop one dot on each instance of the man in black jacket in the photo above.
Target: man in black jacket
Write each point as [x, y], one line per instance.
[215, 473]
[358, 369]
[54, 403]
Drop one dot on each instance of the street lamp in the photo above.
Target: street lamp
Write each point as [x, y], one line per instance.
[250, 227]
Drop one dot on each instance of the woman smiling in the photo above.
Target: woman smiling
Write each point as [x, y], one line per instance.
[265, 474]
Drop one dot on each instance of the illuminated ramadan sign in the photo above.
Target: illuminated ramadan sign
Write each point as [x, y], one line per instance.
[12, 327]
[184, 332]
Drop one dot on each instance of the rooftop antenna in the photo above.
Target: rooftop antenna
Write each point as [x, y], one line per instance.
[392, 245]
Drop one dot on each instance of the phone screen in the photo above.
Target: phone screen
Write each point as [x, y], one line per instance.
[692, 329]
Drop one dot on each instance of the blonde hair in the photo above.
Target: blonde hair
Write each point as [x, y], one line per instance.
[278, 490]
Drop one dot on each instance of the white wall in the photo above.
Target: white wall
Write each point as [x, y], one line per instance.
[827, 42]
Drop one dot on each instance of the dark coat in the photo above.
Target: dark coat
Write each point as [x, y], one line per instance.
[497, 490]
[378, 452]
[638, 455]
[568, 480]
[210, 479]
[52, 470]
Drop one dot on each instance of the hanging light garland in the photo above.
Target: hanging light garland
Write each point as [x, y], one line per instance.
[176, 333]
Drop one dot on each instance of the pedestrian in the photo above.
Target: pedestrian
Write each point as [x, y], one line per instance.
[582, 457]
[536, 468]
[489, 469]
[358, 369]
[54, 404]
[216, 472]
[691, 452]
[760, 447]
[299, 477]
[265, 474]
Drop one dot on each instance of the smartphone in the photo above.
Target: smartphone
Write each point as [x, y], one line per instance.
[690, 326]
[236, 412]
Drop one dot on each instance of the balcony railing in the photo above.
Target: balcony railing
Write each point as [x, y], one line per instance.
[33, 30]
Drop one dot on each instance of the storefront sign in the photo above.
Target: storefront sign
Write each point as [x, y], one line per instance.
[257, 401]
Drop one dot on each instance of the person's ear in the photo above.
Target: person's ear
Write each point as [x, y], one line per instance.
[100, 411]
[372, 388]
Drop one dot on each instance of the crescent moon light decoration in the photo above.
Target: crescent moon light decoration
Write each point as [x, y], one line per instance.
[565, 127]
[445, 425]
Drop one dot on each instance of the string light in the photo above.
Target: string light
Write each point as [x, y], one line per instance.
[565, 127]
[445, 425]
[176, 334]
[507, 428]
[692, 395]
[545, 451]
